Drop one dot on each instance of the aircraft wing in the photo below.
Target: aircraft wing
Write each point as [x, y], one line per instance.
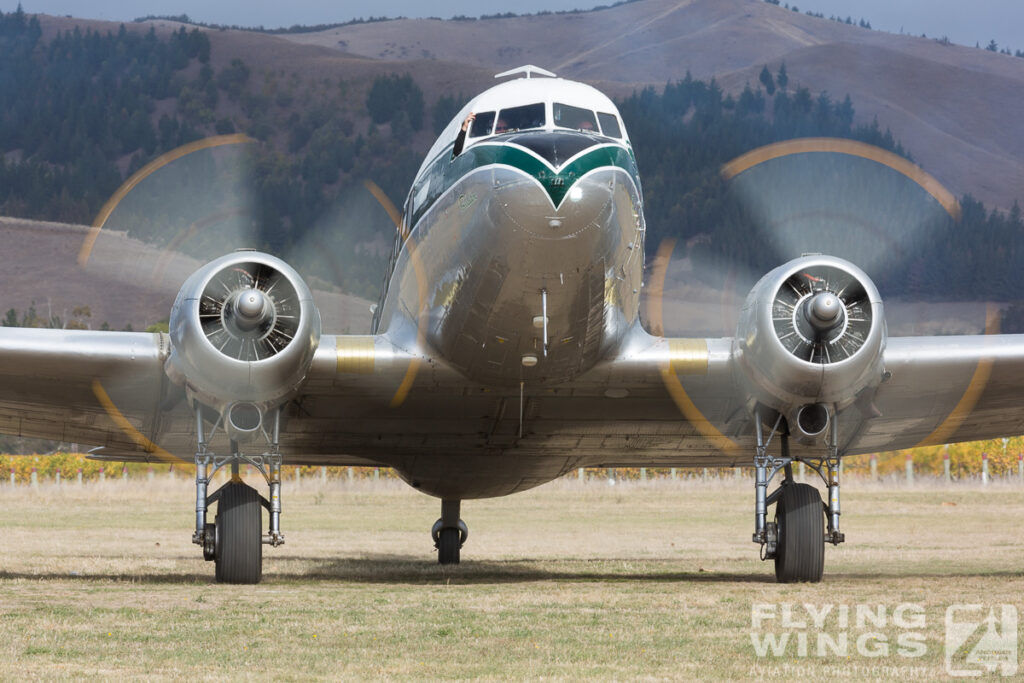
[109, 391]
[54, 383]
[661, 402]
[938, 390]
[945, 390]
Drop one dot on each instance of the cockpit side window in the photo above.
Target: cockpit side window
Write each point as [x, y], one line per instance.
[568, 116]
[482, 124]
[520, 118]
[609, 125]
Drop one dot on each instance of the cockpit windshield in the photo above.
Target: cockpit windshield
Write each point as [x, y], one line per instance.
[609, 125]
[520, 118]
[577, 118]
[482, 124]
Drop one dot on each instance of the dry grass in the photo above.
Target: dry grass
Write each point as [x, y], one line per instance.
[649, 580]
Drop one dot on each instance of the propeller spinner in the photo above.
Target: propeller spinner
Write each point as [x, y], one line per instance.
[821, 315]
[249, 311]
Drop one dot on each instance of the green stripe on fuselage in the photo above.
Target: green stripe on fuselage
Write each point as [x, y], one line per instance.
[445, 172]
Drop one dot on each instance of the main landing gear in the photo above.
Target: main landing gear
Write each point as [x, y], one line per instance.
[449, 532]
[234, 541]
[796, 539]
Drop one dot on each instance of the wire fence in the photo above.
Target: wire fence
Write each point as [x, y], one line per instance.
[984, 461]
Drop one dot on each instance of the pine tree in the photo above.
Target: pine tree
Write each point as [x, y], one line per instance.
[766, 80]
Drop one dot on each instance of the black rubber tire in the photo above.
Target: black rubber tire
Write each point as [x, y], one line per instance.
[448, 546]
[239, 535]
[800, 556]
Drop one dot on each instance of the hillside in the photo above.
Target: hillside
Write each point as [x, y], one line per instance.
[304, 96]
[126, 282]
[956, 108]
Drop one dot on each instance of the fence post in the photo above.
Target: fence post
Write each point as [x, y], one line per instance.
[945, 464]
[323, 474]
[737, 473]
[103, 475]
[984, 469]
[579, 473]
[643, 474]
[58, 476]
[802, 471]
[874, 466]
[35, 479]
[150, 474]
[611, 476]
[298, 475]
[673, 474]
[351, 474]
[910, 469]
[124, 473]
[376, 474]
[79, 476]
[12, 476]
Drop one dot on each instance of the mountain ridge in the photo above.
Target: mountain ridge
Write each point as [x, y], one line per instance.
[960, 131]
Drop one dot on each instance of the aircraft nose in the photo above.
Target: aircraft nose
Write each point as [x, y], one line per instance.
[568, 207]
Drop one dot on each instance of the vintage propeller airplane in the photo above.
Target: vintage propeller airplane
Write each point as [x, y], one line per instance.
[507, 350]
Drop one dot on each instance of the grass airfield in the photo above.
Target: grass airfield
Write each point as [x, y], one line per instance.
[652, 580]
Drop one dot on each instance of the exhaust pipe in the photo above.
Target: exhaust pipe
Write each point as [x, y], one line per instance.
[811, 421]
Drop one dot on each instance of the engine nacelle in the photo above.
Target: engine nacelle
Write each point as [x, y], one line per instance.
[810, 340]
[243, 333]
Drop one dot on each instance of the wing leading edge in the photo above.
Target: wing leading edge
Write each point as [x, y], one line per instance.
[97, 388]
[367, 401]
[946, 390]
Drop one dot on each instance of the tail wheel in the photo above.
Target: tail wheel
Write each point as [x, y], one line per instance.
[239, 556]
[448, 544]
[801, 522]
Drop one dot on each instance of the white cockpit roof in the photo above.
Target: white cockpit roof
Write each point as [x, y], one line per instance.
[525, 91]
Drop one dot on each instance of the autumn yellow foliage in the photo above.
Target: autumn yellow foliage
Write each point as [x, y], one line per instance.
[965, 461]
[69, 464]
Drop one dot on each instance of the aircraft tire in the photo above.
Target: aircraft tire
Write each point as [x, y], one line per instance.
[448, 546]
[800, 556]
[239, 556]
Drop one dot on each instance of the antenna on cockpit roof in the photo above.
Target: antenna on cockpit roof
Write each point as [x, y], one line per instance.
[529, 70]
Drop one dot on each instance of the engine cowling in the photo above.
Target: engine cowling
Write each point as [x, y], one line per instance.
[810, 340]
[243, 331]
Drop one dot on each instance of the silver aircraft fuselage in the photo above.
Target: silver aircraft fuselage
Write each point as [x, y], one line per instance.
[519, 226]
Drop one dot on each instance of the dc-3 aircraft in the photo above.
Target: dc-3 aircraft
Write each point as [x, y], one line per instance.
[507, 350]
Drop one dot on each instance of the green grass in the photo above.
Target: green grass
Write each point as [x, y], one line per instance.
[569, 581]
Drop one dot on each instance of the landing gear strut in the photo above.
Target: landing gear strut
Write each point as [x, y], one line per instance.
[449, 532]
[234, 541]
[796, 539]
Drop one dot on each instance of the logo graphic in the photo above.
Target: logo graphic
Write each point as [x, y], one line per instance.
[981, 643]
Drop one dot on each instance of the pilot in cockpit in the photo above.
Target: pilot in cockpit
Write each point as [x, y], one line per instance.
[460, 139]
